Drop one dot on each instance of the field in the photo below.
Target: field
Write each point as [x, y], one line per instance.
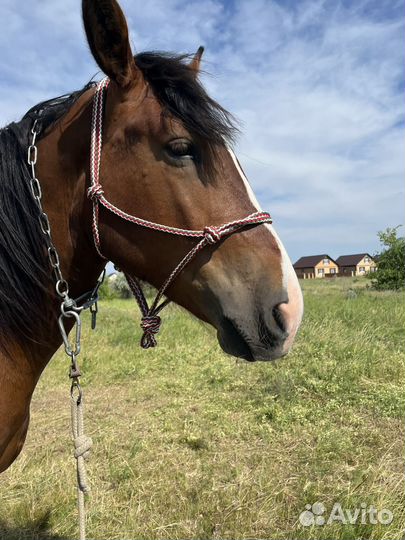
[189, 443]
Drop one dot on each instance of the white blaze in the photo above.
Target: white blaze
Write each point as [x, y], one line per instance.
[290, 280]
[286, 263]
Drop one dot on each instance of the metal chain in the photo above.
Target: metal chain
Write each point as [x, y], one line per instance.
[68, 306]
[69, 309]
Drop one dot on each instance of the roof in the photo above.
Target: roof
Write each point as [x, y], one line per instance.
[351, 260]
[311, 260]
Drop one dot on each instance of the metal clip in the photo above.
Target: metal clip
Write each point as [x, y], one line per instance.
[94, 311]
[70, 351]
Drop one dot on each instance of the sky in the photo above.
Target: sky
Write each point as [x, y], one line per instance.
[317, 85]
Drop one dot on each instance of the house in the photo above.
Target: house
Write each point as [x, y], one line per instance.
[356, 265]
[316, 266]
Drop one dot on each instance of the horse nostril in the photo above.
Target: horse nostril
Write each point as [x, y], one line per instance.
[279, 317]
[272, 333]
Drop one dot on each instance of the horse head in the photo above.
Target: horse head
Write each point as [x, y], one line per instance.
[166, 158]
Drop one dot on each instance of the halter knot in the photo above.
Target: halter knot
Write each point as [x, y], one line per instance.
[83, 446]
[150, 325]
[212, 235]
[95, 192]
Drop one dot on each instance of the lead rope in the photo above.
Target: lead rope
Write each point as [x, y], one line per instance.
[82, 445]
[150, 321]
[69, 308]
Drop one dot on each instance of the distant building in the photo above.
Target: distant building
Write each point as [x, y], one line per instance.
[356, 265]
[316, 266]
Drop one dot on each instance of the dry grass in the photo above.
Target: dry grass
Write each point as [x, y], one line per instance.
[189, 443]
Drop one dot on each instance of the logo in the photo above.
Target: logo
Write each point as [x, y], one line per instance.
[312, 515]
[315, 514]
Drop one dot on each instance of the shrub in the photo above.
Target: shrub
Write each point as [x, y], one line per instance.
[104, 291]
[119, 287]
[390, 272]
[116, 286]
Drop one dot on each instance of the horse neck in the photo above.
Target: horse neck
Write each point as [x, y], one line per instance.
[62, 169]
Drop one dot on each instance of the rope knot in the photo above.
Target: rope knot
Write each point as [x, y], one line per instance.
[95, 192]
[83, 445]
[150, 325]
[212, 235]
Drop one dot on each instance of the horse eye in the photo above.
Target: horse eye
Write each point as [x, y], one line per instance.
[181, 149]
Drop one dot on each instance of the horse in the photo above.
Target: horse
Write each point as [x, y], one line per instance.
[165, 158]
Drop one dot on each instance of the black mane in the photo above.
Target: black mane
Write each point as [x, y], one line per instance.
[25, 275]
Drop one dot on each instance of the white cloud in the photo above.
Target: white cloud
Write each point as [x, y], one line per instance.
[316, 84]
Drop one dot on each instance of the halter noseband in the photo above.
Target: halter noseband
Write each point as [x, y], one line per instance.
[151, 321]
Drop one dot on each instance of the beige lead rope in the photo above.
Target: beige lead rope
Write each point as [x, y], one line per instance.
[82, 444]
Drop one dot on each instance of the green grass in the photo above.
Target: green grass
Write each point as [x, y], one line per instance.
[189, 443]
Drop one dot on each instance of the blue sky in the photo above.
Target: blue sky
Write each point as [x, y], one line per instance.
[318, 87]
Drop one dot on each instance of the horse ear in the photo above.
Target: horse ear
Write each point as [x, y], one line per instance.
[195, 62]
[107, 36]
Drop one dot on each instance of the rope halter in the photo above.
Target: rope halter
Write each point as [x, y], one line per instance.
[210, 235]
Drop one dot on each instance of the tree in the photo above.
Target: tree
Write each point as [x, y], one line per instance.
[390, 272]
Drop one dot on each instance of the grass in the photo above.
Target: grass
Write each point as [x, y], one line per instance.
[189, 443]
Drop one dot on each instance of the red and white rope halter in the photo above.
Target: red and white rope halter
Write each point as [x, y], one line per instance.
[209, 235]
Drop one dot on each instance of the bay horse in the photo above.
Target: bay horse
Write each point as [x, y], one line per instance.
[165, 158]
